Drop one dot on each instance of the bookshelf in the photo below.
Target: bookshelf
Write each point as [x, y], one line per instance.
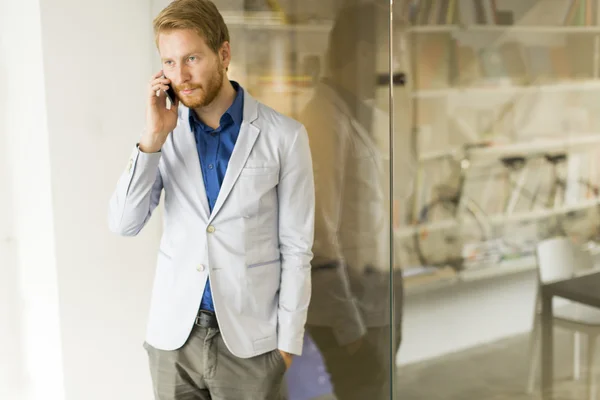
[579, 142]
[501, 12]
[507, 89]
[522, 75]
[281, 72]
[424, 280]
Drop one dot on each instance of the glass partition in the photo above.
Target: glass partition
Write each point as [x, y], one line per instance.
[327, 64]
[501, 97]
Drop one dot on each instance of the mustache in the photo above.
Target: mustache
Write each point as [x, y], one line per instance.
[187, 87]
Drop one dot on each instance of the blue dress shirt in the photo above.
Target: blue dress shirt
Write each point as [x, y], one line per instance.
[214, 151]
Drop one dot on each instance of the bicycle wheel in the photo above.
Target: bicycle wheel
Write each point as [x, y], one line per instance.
[443, 238]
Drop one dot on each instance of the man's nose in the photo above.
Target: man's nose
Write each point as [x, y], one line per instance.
[181, 76]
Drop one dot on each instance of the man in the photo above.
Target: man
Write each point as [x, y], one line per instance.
[232, 283]
[349, 315]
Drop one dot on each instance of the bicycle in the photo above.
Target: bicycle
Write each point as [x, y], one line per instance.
[466, 222]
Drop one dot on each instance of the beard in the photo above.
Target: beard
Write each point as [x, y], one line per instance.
[204, 94]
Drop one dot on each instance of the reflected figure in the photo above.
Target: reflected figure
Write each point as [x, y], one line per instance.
[349, 314]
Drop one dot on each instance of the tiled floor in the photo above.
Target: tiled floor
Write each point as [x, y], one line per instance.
[496, 371]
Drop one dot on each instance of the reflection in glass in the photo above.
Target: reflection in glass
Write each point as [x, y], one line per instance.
[349, 315]
[326, 64]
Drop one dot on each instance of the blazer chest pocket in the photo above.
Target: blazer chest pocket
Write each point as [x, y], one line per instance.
[257, 189]
[259, 170]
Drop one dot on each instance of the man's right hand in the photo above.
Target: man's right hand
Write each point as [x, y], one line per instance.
[160, 120]
[353, 347]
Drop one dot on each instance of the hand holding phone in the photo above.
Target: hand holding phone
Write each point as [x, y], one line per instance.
[160, 120]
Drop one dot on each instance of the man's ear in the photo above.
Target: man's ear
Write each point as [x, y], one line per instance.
[225, 54]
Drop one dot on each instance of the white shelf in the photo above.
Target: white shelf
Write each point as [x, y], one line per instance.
[430, 286]
[272, 21]
[433, 28]
[504, 268]
[497, 219]
[576, 141]
[485, 272]
[503, 29]
[532, 29]
[541, 214]
[579, 141]
[507, 89]
[437, 154]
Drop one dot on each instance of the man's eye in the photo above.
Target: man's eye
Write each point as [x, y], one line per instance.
[168, 62]
[192, 58]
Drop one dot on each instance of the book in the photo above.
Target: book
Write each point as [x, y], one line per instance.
[469, 71]
[480, 12]
[514, 61]
[560, 63]
[492, 63]
[539, 63]
[547, 13]
[490, 12]
[571, 12]
[579, 49]
[466, 12]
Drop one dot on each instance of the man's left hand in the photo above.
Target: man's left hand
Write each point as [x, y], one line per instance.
[287, 357]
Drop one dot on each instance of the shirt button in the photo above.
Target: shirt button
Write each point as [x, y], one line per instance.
[210, 229]
[210, 166]
[200, 268]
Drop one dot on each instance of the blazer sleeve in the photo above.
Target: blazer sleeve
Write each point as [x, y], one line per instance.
[137, 194]
[296, 197]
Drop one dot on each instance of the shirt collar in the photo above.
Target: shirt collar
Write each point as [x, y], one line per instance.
[233, 114]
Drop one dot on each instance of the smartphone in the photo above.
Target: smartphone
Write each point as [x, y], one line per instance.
[170, 93]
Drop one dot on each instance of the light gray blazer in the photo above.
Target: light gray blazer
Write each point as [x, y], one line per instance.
[255, 245]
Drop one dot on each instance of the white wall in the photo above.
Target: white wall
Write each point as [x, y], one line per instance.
[31, 336]
[10, 368]
[466, 315]
[96, 64]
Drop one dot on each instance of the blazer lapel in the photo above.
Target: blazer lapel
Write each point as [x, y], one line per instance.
[186, 146]
[243, 146]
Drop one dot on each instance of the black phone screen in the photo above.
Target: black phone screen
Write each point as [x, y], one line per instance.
[171, 94]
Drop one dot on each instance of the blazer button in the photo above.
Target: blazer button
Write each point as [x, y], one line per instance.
[200, 268]
[210, 229]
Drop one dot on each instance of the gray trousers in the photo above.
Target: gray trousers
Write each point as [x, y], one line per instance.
[205, 369]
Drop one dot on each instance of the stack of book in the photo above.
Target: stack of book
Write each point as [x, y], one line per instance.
[489, 12]
[442, 62]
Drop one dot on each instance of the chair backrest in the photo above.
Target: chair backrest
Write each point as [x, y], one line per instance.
[559, 258]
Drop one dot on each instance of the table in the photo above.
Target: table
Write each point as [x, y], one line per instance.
[582, 289]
